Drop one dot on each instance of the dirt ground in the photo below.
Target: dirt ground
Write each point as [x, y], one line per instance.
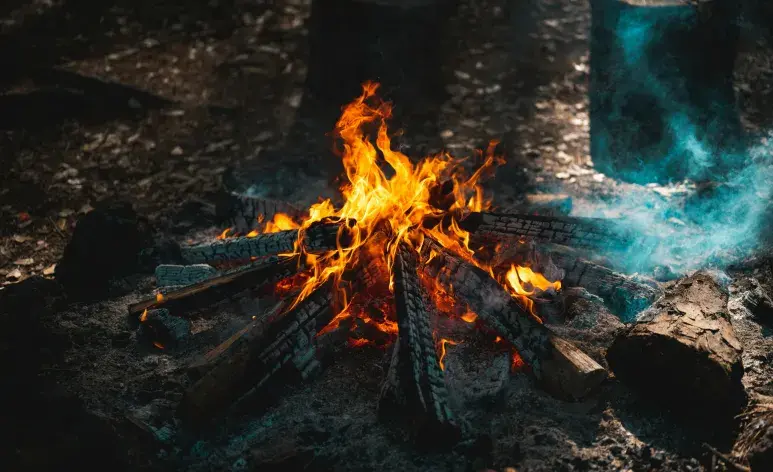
[227, 83]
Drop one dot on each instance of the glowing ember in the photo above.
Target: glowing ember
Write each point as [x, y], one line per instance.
[469, 317]
[144, 316]
[442, 355]
[158, 345]
[517, 363]
[159, 297]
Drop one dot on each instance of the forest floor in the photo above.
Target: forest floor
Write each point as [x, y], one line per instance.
[227, 83]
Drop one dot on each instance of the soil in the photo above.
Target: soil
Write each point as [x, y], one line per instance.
[219, 86]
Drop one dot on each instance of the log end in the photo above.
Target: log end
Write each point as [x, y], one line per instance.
[570, 373]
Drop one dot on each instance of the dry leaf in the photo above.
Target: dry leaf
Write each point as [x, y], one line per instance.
[25, 262]
[66, 212]
[19, 238]
[61, 223]
[49, 270]
[14, 274]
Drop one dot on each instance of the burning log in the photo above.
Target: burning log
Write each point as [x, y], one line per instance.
[569, 231]
[684, 351]
[625, 295]
[415, 379]
[242, 212]
[320, 237]
[169, 275]
[201, 294]
[275, 345]
[558, 364]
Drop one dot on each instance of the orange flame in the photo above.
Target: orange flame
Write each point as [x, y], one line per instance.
[522, 283]
[144, 316]
[385, 193]
[442, 355]
[159, 297]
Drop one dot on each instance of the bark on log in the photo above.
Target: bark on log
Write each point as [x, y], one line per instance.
[169, 275]
[192, 297]
[569, 231]
[273, 345]
[684, 351]
[415, 369]
[626, 296]
[241, 212]
[558, 364]
[661, 74]
[318, 238]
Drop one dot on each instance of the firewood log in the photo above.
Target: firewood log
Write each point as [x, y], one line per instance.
[169, 275]
[320, 237]
[558, 364]
[569, 231]
[415, 380]
[242, 212]
[199, 295]
[274, 345]
[683, 351]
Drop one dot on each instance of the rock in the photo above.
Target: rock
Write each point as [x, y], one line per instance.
[683, 351]
[163, 329]
[105, 245]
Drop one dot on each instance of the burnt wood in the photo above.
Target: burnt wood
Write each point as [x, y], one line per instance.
[255, 278]
[559, 365]
[566, 230]
[414, 376]
[626, 296]
[319, 237]
[275, 345]
[170, 275]
[242, 212]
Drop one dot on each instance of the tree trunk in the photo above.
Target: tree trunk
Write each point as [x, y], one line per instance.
[661, 92]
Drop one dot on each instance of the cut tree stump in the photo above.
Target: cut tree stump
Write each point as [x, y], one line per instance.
[255, 278]
[169, 275]
[275, 345]
[684, 352]
[566, 230]
[661, 87]
[415, 384]
[320, 237]
[558, 365]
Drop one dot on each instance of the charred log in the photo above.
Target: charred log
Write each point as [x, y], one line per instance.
[274, 346]
[625, 295]
[168, 275]
[558, 364]
[569, 231]
[415, 379]
[684, 351]
[242, 212]
[319, 237]
[202, 294]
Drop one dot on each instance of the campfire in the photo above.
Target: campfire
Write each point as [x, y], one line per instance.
[407, 243]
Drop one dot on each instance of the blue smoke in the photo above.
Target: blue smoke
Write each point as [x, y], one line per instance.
[687, 225]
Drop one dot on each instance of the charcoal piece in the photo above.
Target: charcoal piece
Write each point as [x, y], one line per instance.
[684, 352]
[415, 369]
[559, 365]
[179, 275]
[254, 278]
[566, 230]
[164, 330]
[275, 346]
[320, 237]
[105, 245]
